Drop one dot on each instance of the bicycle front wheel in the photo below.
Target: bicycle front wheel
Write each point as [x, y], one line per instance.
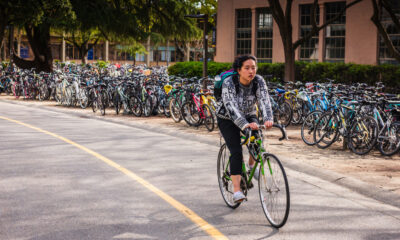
[273, 189]
[308, 127]
[389, 141]
[224, 177]
[208, 117]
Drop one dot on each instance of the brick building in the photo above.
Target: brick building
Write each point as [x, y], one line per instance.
[247, 27]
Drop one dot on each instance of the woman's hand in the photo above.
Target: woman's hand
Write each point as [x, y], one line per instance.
[253, 126]
[268, 124]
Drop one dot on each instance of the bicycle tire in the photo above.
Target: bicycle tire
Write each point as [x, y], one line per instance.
[94, 103]
[389, 144]
[16, 90]
[102, 102]
[225, 185]
[361, 141]
[297, 113]
[175, 110]
[308, 127]
[135, 106]
[274, 192]
[284, 114]
[117, 103]
[83, 98]
[190, 114]
[208, 120]
[147, 106]
[326, 130]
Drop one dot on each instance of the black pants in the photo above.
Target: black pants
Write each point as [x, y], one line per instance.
[231, 133]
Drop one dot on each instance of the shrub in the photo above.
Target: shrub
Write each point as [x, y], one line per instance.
[347, 73]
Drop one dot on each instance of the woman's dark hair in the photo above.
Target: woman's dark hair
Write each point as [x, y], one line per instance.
[238, 63]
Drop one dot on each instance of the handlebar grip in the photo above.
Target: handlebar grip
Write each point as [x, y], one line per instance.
[247, 133]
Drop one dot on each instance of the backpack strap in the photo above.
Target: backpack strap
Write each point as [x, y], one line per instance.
[235, 80]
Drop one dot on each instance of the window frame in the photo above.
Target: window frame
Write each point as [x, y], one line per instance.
[326, 59]
[244, 29]
[317, 46]
[268, 59]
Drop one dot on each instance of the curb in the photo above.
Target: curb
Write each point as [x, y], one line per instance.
[349, 182]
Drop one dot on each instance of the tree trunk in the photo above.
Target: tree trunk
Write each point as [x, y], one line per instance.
[83, 53]
[376, 19]
[39, 39]
[3, 24]
[180, 51]
[157, 56]
[289, 65]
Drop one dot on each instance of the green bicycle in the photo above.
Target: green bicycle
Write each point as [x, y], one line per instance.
[273, 186]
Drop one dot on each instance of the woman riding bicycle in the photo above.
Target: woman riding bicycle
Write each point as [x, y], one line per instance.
[240, 93]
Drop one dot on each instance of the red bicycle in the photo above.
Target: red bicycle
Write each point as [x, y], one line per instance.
[195, 112]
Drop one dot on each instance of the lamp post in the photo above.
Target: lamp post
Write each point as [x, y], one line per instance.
[204, 17]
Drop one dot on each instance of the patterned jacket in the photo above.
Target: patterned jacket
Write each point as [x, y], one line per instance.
[239, 106]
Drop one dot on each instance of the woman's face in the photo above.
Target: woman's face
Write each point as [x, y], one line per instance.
[248, 70]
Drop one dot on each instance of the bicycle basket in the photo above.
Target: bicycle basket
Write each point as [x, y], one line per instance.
[302, 95]
[167, 88]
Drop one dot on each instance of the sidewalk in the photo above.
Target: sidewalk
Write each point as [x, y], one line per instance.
[372, 175]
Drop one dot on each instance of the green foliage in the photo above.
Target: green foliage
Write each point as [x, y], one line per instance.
[307, 72]
[192, 69]
[4, 64]
[102, 64]
[132, 48]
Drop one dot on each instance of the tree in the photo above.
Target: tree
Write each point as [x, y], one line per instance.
[5, 18]
[37, 18]
[86, 21]
[379, 7]
[132, 48]
[284, 21]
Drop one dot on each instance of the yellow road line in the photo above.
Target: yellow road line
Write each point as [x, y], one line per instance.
[212, 231]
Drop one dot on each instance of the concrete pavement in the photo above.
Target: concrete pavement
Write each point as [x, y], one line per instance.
[52, 190]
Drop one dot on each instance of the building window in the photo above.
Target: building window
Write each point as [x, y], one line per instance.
[69, 51]
[243, 31]
[56, 50]
[264, 35]
[335, 33]
[309, 49]
[393, 32]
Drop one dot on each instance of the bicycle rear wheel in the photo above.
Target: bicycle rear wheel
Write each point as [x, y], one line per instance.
[273, 189]
[224, 177]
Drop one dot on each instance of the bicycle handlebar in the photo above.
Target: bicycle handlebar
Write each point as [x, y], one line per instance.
[247, 132]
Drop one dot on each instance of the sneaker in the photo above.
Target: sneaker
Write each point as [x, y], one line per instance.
[256, 173]
[238, 197]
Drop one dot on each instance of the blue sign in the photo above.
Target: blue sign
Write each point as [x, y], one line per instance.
[24, 52]
[90, 54]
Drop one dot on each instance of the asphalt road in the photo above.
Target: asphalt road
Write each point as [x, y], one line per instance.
[50, 189]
